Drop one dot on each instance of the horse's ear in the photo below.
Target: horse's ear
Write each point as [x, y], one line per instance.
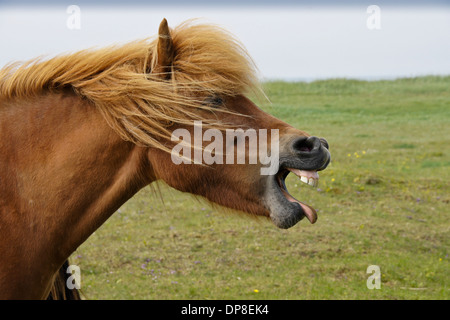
[163, 55]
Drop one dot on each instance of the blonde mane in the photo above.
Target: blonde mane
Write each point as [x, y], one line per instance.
[138, 104]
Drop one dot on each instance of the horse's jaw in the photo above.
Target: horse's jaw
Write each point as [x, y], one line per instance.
[285, 211]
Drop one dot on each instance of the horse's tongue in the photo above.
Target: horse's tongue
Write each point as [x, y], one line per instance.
[310, 213]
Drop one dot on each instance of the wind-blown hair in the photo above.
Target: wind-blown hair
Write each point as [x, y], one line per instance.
[137, 103]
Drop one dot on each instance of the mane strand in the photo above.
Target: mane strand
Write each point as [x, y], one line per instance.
[138, 104]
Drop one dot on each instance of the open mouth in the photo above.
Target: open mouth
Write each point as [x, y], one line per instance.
[309, 177]
[304, 157]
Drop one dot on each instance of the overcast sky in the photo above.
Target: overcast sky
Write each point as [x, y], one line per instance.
[287, 40]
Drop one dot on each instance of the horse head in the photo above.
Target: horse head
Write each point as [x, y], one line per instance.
[264, 149]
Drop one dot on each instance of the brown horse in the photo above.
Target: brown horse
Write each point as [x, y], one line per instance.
[82, 133]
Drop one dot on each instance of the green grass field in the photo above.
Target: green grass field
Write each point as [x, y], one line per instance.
[384, 200]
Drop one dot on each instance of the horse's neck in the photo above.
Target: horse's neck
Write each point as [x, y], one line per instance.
[64, 172]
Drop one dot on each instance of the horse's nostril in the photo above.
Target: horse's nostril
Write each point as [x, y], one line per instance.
[306, 144]
[305, 149]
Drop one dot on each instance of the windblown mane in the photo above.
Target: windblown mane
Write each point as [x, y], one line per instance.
[138, 104]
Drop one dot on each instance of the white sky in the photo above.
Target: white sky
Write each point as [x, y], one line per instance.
[291, 43]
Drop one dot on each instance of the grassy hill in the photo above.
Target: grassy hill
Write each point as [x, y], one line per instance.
[384, 200]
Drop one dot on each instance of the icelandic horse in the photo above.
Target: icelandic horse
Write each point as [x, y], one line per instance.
[81, 133]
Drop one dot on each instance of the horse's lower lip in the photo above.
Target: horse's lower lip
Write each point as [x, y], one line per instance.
[284, 213]
[308, 211]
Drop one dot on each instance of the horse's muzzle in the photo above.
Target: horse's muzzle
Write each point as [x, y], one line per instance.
[302, 156]
[307, 153]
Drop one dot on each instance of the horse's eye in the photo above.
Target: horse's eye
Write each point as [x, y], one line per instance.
[214, 101]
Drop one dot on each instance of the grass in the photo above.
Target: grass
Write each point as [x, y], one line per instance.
[384, 200]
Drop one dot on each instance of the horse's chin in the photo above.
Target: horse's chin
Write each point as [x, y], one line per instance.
[285, 210]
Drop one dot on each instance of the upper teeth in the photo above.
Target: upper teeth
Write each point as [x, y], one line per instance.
[308, 177]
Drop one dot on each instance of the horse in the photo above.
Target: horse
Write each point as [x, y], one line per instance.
[82, 132]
